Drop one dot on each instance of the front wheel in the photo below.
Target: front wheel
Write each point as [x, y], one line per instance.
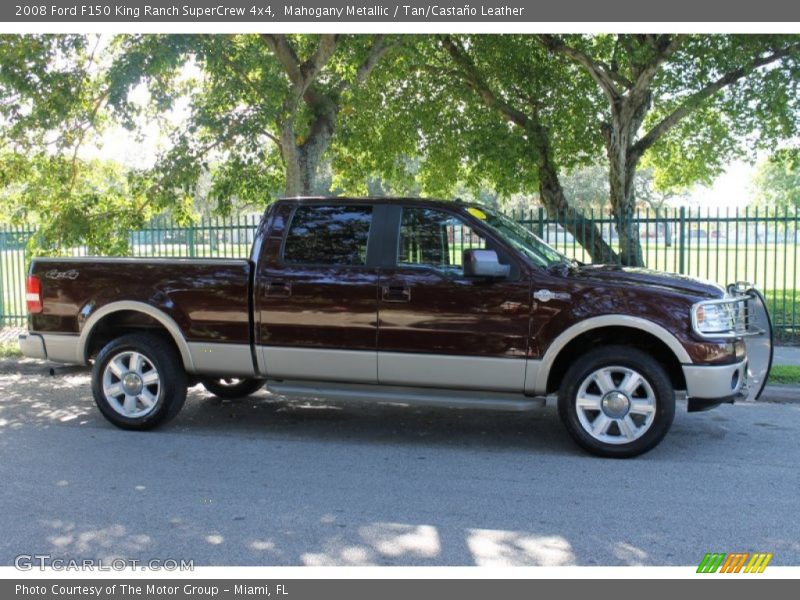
[228, 387]
[138, 381]
[616, 402]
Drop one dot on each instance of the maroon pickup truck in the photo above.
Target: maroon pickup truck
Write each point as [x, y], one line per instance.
[405, 301]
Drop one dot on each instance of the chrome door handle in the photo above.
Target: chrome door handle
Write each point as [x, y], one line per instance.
[278, 289]
[396, 293]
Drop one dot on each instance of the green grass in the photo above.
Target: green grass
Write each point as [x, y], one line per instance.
[10, 350]
[785, 374]
[784, 310]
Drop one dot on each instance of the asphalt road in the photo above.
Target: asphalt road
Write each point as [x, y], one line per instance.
[265, 481]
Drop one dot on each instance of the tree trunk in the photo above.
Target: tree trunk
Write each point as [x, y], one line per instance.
[619, 138]
[297, 183]
[303, 160]
[623, 206]
[555, 203]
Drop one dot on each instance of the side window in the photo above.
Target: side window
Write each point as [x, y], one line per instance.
[433, 238]
[328, 235]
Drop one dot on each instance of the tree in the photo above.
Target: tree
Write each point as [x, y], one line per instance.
[74, 203]
[587, 188]
[482, 111]
[693, 100]
[255, 94]
[254, 114]
[51, 99]
[777, 182]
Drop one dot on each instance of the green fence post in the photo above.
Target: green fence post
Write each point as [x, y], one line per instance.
[190, 241]
[540, 224]
[682, 242]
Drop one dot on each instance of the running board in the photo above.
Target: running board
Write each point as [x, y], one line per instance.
[378, 394]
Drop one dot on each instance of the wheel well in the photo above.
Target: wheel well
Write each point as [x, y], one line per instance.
[624, 336]
[120, 323]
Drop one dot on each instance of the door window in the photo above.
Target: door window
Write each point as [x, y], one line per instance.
[434, 238]
[328, 235]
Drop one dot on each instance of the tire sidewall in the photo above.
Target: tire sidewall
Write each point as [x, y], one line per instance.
[169, 390]
[634, 359]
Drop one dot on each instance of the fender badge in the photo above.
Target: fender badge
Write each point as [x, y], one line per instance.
[547, 295]
[56, 274]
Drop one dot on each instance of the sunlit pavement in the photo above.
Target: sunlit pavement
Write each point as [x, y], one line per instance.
[265, 481]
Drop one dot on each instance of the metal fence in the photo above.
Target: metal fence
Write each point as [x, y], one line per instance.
[724, 245]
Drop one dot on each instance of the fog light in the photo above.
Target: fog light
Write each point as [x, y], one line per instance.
[735, 379]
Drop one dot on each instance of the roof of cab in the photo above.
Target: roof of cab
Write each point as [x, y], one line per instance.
[374, 200]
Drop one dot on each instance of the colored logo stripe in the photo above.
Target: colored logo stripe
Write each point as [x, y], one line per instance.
[758, 562]
[710, 563]
[734, 562]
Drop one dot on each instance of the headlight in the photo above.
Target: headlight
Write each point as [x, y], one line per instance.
[714, 318]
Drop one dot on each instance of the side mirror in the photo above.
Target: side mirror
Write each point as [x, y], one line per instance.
[484, 263]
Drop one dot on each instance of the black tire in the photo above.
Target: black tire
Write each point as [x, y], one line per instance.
[169, 393]
[227, 388]
[617, 433]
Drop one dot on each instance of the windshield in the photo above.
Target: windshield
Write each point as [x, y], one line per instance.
[521, 238]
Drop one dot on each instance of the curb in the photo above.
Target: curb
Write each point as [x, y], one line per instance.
[778, 393]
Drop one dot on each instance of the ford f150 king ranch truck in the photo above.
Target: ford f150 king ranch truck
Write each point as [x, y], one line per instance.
[406, 301]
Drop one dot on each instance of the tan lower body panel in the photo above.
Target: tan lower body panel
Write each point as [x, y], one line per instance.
[394, 368]
[459, 372]
[222, 359]
[319, 364]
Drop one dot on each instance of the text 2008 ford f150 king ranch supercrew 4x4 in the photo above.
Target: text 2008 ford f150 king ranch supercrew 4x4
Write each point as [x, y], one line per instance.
[406, 301]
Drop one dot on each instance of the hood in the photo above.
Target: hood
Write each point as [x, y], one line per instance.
[630, 276]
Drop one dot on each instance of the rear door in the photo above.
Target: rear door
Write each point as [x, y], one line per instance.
[316, 294]
[438, 328]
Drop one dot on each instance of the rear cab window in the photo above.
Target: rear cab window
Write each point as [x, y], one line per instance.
[328, 235]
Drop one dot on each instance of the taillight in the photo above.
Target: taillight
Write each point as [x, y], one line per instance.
[33, 294]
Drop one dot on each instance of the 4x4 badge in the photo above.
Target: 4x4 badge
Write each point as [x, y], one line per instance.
[547, 295]
[56, 274]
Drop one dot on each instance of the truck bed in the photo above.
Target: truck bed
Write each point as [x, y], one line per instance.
[208, 299]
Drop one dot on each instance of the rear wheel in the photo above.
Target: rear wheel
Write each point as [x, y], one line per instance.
[616, 402]
[138, 381]
[230, 387]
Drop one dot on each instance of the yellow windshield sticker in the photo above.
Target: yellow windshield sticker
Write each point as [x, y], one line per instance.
[477, 213]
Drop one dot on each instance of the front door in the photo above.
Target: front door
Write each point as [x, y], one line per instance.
[438, 328]
[316, 295]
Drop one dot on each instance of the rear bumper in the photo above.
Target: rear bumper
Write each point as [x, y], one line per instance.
[32, 345]
[719, 383]
[55, 347]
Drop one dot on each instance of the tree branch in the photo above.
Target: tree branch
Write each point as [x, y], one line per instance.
[665, 47]
[377, 51]
[474, 80]
[730, 78]
[595, 69]
[280, 46]
[323, 53]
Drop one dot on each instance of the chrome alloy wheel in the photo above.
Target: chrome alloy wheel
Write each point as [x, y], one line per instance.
[131, 384]
[615, 405]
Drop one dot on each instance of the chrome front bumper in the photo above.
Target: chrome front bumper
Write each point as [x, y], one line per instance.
[715, 382]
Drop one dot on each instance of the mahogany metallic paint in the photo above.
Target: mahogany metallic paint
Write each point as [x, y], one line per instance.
[347, 307]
